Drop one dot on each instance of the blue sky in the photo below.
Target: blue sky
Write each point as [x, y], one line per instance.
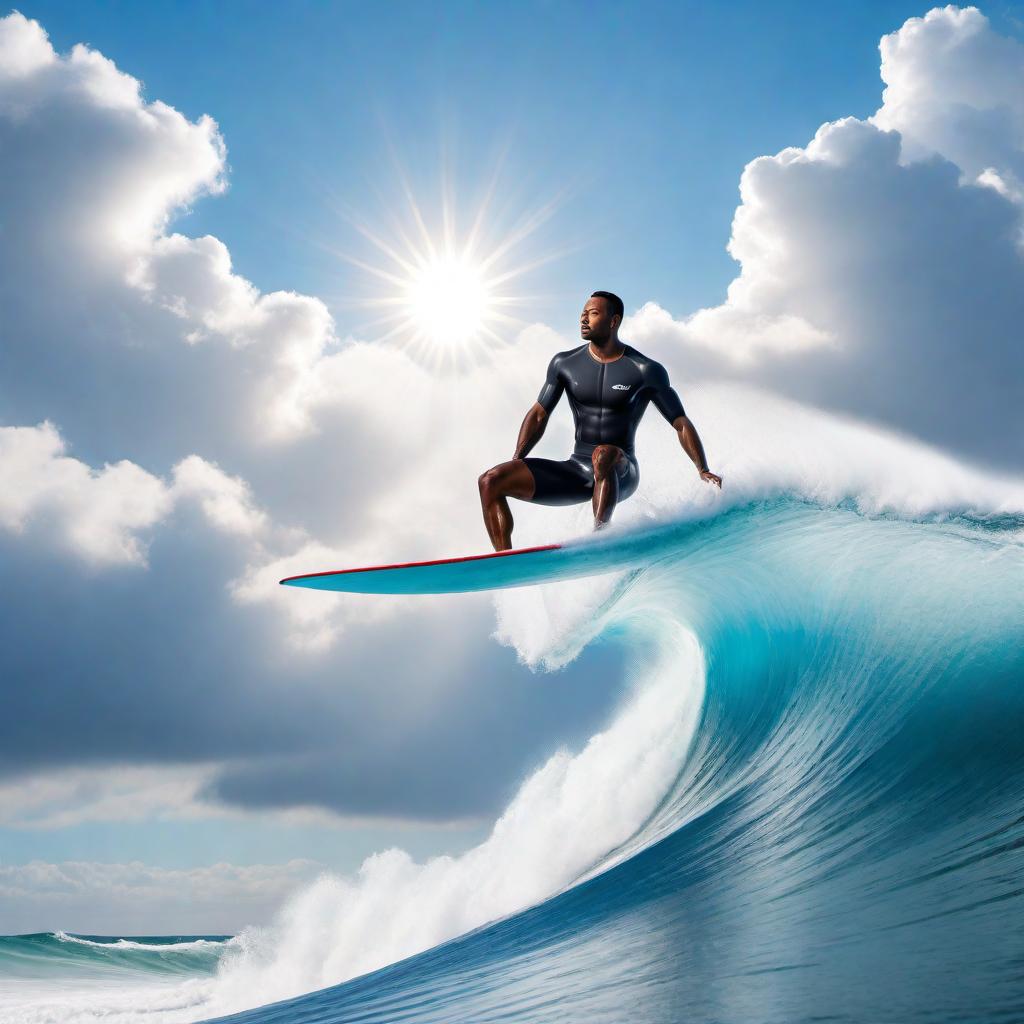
[192, 405]
[647, 112]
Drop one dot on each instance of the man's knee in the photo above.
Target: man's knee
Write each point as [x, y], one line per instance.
[493, 483]
[488, 484]
[604, 458]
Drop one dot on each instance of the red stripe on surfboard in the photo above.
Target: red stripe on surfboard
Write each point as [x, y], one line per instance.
[417, 565]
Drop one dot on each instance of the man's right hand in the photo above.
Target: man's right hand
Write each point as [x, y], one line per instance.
[711, 478]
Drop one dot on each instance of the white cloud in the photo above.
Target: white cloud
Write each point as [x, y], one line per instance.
[72, 895]
[134, 162]
[185, 355]
[226, 501]
[52, 800]
[954, 88]
[24, 47]
[93, 175]
[880, 270]
[95, 513]
[738, 331]
[67, 797]
[99, 515]
[284, 334]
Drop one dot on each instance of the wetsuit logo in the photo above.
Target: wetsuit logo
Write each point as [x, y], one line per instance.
[621, 387]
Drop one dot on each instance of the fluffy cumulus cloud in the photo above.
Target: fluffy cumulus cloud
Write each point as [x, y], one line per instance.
[882, 268]
[173, 441]
[96, 514]
[98, 296]
[101, 516]
[953, 89]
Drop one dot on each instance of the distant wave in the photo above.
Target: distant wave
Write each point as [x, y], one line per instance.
[40, 953]
[62, 978]
[156, 945]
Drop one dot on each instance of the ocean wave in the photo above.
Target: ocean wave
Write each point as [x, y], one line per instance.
[814, 773]
[160, 944]
[802, 645]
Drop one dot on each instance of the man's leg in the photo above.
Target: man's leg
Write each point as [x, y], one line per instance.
[606, 482]
[509, 480]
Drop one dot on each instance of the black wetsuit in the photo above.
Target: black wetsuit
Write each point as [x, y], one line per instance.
[607, 402]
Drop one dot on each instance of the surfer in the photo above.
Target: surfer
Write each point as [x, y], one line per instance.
[609, 384]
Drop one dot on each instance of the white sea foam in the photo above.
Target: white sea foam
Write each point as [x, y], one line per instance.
[193, 945]
[122, 999]
[108, 991]
[765, 446]
[566, 816]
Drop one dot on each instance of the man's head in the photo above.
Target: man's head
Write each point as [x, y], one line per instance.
[601, 316]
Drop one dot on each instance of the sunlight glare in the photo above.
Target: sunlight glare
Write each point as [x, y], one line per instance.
[449, 301]
[447, 296]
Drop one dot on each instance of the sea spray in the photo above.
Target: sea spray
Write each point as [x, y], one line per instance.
[565, 817]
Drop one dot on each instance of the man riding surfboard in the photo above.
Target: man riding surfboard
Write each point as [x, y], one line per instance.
[609, 384]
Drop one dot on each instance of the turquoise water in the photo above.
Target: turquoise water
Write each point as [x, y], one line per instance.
[837, 837]
[45, 954]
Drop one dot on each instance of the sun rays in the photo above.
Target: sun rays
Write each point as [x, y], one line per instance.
[448, 296]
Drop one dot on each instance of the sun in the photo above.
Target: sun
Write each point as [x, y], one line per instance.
[448, 297]
[450, 302]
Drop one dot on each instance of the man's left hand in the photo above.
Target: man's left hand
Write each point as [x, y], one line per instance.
[711, 478]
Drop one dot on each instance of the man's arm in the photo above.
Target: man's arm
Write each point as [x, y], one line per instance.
[536, 419]
[690, 440]
[669, 405]
[531, 431]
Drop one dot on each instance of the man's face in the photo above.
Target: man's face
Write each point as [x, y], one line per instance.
[596, 321]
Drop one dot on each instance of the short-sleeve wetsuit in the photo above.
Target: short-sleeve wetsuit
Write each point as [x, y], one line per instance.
[607, 402]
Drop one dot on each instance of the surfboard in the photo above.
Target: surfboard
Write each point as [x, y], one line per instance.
[516, 568]
[611, 550]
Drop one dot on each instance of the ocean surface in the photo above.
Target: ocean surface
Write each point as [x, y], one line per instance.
[806, 808]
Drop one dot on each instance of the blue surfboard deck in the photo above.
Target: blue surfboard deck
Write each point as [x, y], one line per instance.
[498, 569]
[494, 571]
[598, 553]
